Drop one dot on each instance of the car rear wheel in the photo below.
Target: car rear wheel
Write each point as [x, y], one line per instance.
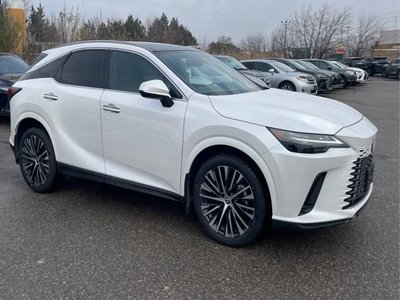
[229, 200]
[37, 160]
[288, 86]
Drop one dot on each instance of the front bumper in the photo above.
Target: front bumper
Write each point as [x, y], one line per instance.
[295, 173]
[307, 88]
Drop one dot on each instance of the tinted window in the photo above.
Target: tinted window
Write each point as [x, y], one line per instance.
[322, 64]
[249, 64]
[128, 71]
[261, 66]
[84, 68]
[47, 71]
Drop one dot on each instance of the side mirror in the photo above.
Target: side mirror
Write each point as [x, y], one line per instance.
[156, 89]
[329, 68]
[272, 71]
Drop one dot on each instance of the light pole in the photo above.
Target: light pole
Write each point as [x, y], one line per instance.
[285, 23]
[347, 43]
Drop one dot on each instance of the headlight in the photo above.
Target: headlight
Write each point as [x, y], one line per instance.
[303, 78]
[350, 72]
[307, 142]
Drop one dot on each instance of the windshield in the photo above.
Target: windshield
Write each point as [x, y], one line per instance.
[232, 62]
[341, 65]
[205, 74]
[281, 67]
[338, 64]
[310, 65]
[12, 65]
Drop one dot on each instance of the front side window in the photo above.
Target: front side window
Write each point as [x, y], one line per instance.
[322, 65]
[84, 68]
[128, 71]
[206, 74]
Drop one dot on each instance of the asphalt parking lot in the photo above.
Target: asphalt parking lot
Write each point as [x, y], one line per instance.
[88, 240]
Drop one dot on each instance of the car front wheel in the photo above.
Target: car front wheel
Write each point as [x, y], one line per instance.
[37, 160]
[229, 200]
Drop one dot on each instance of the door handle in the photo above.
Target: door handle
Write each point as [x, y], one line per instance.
[111, 108]
[50, 96]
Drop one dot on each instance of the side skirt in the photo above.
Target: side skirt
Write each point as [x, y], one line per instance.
[134, 186]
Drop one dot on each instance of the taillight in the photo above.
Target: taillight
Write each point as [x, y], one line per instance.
[12, 91]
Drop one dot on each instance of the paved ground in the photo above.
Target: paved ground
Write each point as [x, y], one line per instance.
[92, 241]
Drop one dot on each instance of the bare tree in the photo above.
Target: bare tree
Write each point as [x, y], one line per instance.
[254, 43]
[316, 30]
[365, 34]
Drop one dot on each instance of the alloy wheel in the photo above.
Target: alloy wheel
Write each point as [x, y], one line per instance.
[227, 201]
[35, 160]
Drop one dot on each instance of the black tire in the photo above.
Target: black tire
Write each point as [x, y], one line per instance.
[37, 160]
[384, 74]
[288, 86]
[230, 220]
[345, 83]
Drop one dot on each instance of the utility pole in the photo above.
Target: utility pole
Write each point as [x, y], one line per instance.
[348, 37]
[285, 23]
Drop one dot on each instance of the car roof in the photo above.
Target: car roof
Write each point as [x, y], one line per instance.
[8, 54]
[150, 46]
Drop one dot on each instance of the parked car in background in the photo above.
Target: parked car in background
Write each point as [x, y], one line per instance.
[392, 69]
[355, 62]
[375, 64]
[176, 122]
[337, 79]
[361, 74]
[11, 68]
[254, 76]
[324, 81]
[349, 77]
[284, 77]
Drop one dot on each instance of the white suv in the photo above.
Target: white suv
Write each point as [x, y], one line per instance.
[176, 122]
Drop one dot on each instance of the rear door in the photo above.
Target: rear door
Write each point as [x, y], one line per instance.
[142, 140]
[73, 104]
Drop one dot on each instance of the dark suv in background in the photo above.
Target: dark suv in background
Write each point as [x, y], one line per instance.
[355, 62]
[375, 64]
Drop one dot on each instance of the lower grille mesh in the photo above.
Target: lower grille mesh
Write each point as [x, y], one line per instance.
[361, 180]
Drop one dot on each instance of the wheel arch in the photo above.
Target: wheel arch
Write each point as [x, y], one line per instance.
[287, 81]
[29, 121]
[239, 150]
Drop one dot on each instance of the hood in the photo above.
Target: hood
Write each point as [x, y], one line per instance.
[287, 110]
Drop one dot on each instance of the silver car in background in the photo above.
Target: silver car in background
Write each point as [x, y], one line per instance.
[284, 77]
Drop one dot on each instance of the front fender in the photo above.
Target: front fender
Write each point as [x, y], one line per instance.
[239, 145]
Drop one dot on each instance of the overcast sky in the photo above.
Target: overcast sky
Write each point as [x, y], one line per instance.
[208, 19]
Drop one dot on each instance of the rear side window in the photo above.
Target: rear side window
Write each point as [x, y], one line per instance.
[47, 71]
[84, 68]
[128, 71]
[249, 64]
[261, 66]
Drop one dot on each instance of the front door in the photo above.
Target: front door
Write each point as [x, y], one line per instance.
[142, 140]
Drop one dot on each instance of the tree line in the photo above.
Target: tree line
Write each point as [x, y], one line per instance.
[68, 26]
[311, 31]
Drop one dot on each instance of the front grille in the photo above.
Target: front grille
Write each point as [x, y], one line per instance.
[362, 174]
